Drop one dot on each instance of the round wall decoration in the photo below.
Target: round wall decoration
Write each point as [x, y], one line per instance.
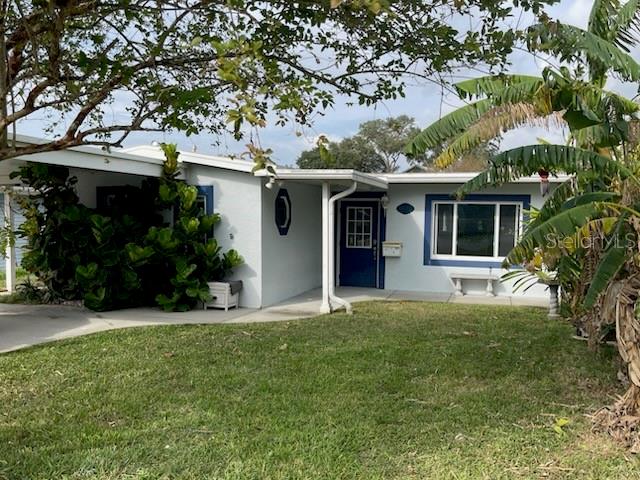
[405, 208]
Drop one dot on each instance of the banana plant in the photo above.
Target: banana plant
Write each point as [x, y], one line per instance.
[592, 219]
[595, 116]
[601, 123]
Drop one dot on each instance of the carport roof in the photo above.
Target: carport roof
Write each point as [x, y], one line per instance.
[227, 163]
[338, 177]
[143, 160]
[87, 157]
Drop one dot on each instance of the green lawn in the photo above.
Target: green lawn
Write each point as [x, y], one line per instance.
[399, 390]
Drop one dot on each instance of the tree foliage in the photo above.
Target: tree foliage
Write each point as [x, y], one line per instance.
[378, 146]
[352, 152]
[208, 65]
[387, 137]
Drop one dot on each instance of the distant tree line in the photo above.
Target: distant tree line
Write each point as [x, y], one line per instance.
[379, 147]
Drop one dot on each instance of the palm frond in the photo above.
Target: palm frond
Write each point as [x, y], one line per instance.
[600, 17]
[555, 201]
[562, 225]
[601, 136]
[590, 197]
[570, 42]
[601, 226]
[524, 280]
[528, 160]
[618, 104]
[627, 25]
[564, 197]
[491, 126]
[492, 85]
[533, 92]
[447, 127]
[608, 267]
[614, 128]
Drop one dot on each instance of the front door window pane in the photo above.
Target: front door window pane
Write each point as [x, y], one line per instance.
[359, 227]
[476, 225]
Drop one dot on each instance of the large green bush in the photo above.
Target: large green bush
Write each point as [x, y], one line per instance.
[125, 257]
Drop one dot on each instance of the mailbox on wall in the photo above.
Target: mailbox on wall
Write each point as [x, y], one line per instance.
[391, 249]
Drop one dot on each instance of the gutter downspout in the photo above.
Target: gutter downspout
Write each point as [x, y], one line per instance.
[10, 253]
[332, 248]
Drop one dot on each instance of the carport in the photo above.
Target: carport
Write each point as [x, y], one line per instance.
[100, 167]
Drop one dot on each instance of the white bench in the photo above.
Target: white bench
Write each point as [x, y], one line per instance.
[457, 278]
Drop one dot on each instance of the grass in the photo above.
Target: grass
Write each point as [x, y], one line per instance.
[396, 391]
[21, 274]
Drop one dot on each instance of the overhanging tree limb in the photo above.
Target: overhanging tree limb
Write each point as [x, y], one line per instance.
[207, 61]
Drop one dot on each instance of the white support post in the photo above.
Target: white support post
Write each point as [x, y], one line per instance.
[10, 254]
[325, 307]
[490, 288]
[458, 290]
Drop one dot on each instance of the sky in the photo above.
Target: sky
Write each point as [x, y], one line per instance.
[423, 102]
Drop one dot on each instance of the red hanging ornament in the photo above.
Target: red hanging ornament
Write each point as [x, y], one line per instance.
[544, 182]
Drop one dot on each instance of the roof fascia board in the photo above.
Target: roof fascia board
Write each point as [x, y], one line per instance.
[449, 178]
[92, 161]
[328, 176]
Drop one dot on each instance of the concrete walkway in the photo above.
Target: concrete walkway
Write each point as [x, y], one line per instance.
[25, 325]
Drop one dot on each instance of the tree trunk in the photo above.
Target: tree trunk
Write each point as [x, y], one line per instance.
[4, 72]
[622, 419]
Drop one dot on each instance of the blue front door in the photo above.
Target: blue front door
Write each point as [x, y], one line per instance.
[359, 249]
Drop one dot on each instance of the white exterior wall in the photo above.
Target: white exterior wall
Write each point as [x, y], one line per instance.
[292, 263]
[408, 272]
[279, 267]
[89, 180]
[237, 198]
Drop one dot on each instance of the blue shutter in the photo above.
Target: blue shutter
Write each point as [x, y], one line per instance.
[205, 193]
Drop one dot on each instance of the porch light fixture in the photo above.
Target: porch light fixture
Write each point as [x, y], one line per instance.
[270, 183]
[384, 203]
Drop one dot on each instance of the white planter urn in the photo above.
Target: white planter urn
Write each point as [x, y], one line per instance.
[224, 295]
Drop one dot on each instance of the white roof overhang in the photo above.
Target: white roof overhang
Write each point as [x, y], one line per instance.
[86, 157]
[455, 178]
[226, 163]
[343, 178]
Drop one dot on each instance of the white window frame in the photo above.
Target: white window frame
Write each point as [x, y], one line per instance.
[496, 229]
[202, 197]
[364, 235]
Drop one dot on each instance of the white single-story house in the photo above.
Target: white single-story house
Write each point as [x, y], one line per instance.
[304, 229]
